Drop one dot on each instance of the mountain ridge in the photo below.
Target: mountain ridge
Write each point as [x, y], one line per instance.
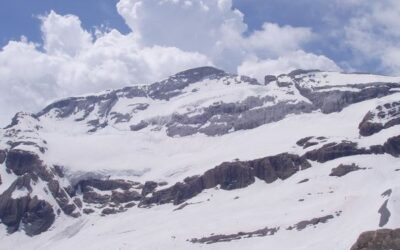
[205, 142]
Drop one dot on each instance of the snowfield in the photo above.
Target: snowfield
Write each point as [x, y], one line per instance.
[310, 210]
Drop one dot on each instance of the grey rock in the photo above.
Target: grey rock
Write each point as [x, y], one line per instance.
[383, 239]
[385, 214]
[108, 211]
[387, 193]
[125, 197]
[88, 211]
[313, 222]
[172, 86]
[237, 236]
[269, 78]
[95, 198]
[303, 181]
[32, 215]
[103, 185]
[130, 205]
[333, 151]
[336, 100]
[19, 117]
[230, 175]
[303, 141]
[392, 146]
[343, 170]
[2, 156]
[281, 166]
[22, 162]
[139, 126]
[149, 187]
[38, 217]
[389, 114]
[62, 198]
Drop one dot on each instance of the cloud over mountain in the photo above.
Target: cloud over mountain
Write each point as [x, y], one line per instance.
[167, 36]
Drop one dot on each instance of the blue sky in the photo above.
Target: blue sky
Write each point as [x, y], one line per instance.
[53, 49]
[20, 18]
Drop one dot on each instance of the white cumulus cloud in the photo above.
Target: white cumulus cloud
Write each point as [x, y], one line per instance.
[211, 27]
[374, 34]
[167, 36]
[74, 63]
[64, 34]
[295, 60]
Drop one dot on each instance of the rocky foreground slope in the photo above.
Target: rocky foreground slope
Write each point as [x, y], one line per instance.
[206, 159]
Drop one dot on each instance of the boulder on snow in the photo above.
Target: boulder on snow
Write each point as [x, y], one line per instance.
[343, 170]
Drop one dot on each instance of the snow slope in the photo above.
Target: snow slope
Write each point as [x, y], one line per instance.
[309, 210]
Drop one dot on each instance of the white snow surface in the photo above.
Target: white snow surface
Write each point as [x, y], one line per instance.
[321, 79]
[152, 155]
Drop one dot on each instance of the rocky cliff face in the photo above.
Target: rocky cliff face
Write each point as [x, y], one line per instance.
[206, 146]
[32, 193]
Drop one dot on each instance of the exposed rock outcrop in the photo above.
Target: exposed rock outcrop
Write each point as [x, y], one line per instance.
[68, 206]
[149, 187]
[104, 185]
[31, 214]
[382, 117]
[336, 100]
[333, 151]
[119, 191]
[383, 239]
[392, 146]
[2, 156]
[22, 162]
[230, 175]
[315, 221]
[310, 141]
[237, 236]
[269, 78]
[385, 214]
[20, 208]
[343, 170]
[125, 197]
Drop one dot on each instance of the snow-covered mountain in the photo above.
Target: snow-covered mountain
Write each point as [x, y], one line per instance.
[208, 160]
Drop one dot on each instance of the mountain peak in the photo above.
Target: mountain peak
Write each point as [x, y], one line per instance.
[151, 151]
[202, 72]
